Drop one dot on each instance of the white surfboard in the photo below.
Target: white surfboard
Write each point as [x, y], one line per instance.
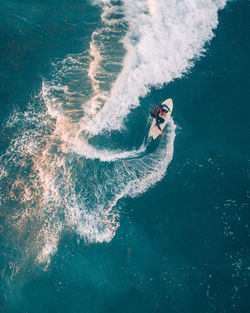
[154, 130]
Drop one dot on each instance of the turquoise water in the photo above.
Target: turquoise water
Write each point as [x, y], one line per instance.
[94, 217]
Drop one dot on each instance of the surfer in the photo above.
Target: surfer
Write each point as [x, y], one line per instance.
[159, 112]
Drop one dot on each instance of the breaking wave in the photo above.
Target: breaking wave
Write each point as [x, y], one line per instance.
[63, 171]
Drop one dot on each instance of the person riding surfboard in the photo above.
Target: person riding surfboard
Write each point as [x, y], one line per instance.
[159, 112]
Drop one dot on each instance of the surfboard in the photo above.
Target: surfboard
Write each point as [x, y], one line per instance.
[154, 130]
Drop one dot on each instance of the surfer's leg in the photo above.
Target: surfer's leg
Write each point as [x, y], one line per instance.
[159, 120]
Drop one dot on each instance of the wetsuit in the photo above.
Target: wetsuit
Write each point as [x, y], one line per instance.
[155, 112]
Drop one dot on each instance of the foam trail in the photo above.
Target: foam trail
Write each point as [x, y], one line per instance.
[164, 38]
[103, 56]
[117, 179]
[83, 148]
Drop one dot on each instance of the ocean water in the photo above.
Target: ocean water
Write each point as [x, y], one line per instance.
[93, 216]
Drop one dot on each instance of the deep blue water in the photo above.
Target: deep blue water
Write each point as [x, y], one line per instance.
[182, 241]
